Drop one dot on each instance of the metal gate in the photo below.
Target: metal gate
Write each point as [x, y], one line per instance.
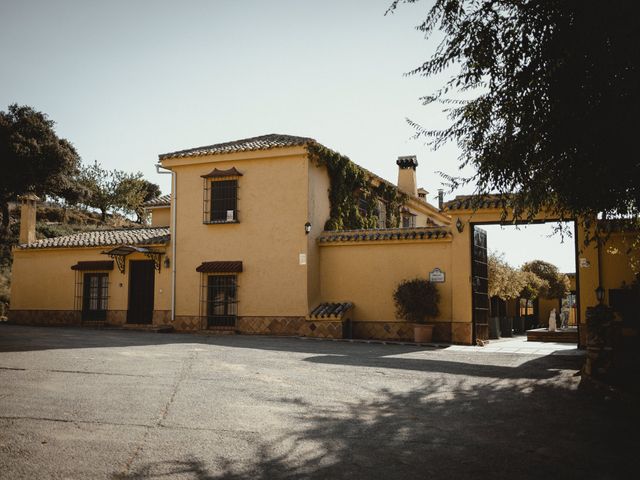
[480, 284]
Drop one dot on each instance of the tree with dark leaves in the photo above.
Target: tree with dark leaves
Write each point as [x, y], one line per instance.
[551, 98]
[32, 158]
[556, 284]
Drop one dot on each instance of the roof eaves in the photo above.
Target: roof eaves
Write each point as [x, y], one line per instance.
[263, 142]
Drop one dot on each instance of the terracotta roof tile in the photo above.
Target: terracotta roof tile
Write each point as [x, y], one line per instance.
[229, 172]
[384, 234]
[94, 265]
[330, 310]
[220, 267]
[103, 238]
[475, 202]
[161, 201]
[264, 142]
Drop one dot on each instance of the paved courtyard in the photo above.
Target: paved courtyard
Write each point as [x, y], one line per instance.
[77, 403]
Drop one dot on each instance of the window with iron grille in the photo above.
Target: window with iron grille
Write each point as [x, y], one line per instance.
[220, 200]
[219, 300]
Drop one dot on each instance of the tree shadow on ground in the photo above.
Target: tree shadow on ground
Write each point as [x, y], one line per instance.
[447, 428]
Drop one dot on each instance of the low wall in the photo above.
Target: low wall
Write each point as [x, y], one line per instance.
[366, 273]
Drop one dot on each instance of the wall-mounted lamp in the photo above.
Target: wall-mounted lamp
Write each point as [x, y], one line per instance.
[307, 228]
[459, 225]
[600, 294]
[167, 262]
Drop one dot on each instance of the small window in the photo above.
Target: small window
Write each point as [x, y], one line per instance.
[408, 220]
[95, 296]
[382, 214]
[220, 300]
[363, 207]
[221, 201]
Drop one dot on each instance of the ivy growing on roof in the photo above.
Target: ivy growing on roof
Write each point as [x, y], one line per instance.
[351, 184]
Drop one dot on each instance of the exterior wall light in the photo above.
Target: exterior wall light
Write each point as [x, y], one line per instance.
[307, 228]
[459, 225]
[167, 262]
[600, 294]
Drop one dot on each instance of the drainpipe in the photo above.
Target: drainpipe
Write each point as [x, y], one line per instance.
[172, 229]
[174, 219]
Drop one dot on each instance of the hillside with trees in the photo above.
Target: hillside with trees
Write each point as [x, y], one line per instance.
[75, 196]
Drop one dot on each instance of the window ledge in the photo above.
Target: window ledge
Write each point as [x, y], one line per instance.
[218, 222]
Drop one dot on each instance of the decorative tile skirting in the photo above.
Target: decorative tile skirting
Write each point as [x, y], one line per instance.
[325, 329]
[443, 332]
[400, 331]
[185, 323]
[271, 325]
[162, 317]
[48, 318]
[461, 333]
[446, 332]
[116, 317]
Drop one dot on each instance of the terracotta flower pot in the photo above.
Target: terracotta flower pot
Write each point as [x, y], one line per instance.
[422, 333]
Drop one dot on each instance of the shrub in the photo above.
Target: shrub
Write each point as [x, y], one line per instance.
[416, 300]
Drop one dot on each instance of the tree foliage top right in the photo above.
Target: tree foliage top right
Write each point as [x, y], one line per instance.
[553, 88]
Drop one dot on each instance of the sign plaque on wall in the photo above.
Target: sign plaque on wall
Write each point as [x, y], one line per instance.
[436, 276]
[584, 263]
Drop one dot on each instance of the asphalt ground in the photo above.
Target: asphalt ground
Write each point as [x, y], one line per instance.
[84, 404]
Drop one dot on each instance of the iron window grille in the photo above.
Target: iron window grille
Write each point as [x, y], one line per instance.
[219, 300]
[92, 295]
[220, 200]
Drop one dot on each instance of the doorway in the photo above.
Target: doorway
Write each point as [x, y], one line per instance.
[141, 287]
[94, 297]
[531, 244]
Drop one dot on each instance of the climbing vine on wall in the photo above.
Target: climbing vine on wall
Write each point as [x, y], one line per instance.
[353, 187]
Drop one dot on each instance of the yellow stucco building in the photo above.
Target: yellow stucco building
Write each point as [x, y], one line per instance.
[240, 244]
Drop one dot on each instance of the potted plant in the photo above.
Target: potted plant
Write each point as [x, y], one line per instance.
[416, 301]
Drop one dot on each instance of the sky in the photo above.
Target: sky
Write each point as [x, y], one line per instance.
[533, 242]
[127, 80]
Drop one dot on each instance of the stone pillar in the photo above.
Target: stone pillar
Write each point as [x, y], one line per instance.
[28, 218]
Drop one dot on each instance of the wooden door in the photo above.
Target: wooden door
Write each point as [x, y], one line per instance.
[141, 286]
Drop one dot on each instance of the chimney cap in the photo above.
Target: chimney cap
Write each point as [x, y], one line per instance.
[29, 196]
[407, 161]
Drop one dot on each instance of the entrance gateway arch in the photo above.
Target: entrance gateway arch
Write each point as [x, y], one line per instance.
[469, 214]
